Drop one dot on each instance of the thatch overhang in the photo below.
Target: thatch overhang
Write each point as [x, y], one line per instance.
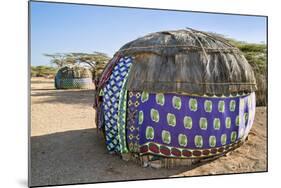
[187, 61]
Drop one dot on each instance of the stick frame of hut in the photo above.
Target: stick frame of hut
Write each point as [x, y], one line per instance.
[176, 98]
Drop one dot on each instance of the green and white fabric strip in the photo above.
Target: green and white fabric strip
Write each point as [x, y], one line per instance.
[121, 120]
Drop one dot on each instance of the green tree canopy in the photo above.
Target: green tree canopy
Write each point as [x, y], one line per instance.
[96, 61]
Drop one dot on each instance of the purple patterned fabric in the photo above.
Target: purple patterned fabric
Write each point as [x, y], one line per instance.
[157, 129]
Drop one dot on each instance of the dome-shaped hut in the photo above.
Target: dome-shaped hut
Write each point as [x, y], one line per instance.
[182, 94]
[73, 77]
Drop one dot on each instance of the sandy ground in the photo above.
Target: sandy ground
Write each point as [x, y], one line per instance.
[66, 148]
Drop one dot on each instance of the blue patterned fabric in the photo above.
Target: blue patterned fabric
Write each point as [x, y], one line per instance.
[111, 97]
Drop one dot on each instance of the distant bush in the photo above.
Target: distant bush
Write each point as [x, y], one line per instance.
[254, 53]
[43, 71]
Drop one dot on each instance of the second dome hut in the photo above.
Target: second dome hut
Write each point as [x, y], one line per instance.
[73, 77]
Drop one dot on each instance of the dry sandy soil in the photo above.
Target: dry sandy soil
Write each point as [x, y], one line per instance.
[66, 148]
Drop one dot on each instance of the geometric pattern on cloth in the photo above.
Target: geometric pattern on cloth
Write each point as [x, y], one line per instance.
[132, 127]
[73, 83]
[111, 91]
[193, 123]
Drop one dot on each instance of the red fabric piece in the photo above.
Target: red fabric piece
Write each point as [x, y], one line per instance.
[108, 70]
[99, 84]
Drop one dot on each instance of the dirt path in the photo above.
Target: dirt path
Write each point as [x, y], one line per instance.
[65, 147]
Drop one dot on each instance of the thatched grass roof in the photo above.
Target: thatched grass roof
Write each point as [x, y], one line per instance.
[187, 61]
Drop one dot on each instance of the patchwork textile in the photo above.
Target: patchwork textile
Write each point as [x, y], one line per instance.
[111, 101]
[187, 126]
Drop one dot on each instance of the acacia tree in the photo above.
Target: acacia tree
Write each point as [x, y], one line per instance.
[59, 59]
[96, 60]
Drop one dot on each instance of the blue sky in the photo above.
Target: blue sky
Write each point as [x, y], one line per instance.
[67, 28]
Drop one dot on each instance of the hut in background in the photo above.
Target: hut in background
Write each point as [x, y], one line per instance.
[73, 77]
[176, 96]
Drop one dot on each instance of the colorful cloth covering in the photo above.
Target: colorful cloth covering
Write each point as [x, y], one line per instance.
[185, 126]
[111, 101]
[171, 125]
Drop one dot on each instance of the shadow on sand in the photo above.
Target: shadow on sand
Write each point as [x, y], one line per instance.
[80, 156]
[72, 96]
